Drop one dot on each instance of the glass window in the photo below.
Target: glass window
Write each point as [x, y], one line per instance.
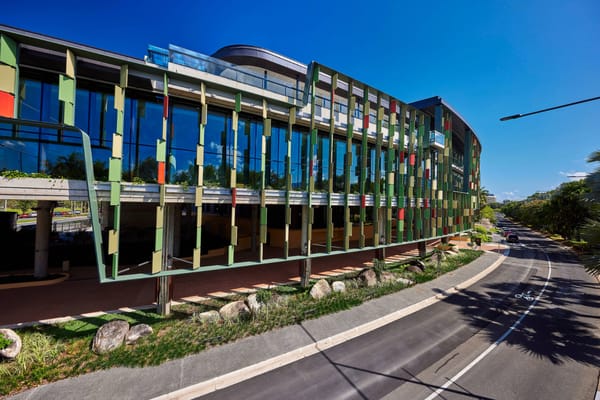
[96, 115]
[38, 101]
[19, 155]
[248, 155]
[143, 126]
[339, 157]
[276, 154]
[299, 159]
[382, 171]
[355, 168]
[369, 187]
[321, 163]
[184, 131]
[215, 142]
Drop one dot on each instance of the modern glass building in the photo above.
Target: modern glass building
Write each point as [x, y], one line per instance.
[238, 158]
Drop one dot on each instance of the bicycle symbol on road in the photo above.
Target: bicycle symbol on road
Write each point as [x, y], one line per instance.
[525, 296]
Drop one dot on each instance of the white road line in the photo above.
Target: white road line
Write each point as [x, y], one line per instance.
[497, 342]
[240, 375]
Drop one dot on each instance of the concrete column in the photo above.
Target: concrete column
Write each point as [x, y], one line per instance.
[422, 249]
[43, 228]
[164, 294]
[304, 250]
[305, 265]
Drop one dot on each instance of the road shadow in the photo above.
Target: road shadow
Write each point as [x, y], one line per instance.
[562, 325]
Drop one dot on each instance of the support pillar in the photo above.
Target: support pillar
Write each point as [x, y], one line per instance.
[422, 249]
[305, 271]
[305, 264]
[164, 292]
[42, 238]
[381, 222]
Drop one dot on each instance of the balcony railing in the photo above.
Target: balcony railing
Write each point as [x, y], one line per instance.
[436, 139]
[201, 62]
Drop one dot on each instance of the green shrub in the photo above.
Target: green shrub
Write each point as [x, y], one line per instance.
[264, 296]
[4, 342]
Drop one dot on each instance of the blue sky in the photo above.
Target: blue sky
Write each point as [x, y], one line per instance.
[488, 59]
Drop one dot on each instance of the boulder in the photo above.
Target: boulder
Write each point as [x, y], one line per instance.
[278, 300]
[338, 286]
[387, 277]
[234, 310]
[12, 350]
[320, 289]
[368, 277]
[136, 332]
[415, 269]
[110, 336]
[253, 303]
[405, 281]
[209, 316]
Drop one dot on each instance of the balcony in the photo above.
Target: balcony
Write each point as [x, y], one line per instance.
[436, 140]
[188, 58]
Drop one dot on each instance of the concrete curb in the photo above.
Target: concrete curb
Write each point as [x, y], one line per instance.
[234, 377]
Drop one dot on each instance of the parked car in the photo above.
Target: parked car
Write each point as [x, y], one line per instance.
[512, 238]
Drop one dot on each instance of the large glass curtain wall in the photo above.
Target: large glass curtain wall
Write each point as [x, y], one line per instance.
[59, 154]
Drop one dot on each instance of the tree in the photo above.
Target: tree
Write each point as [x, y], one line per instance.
[590, 232]
[568, 209]
[483, 195]
[71, 167]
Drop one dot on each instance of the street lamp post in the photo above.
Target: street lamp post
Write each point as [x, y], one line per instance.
[515, 116]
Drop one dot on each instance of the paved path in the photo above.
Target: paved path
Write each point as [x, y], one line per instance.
[82, 294]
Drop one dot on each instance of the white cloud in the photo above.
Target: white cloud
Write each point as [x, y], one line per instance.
[574, 176]
[512, 195]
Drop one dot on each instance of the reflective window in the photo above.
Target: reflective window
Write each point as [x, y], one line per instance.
[184, 131]
[248, 155]
[276, 154]
[143, 126]
[215, 149]
[369, 184]
[321, 163]
[355, 168]
[339, 158]
[299, 160]
[96, 115]
[382, 171]
[38, 101]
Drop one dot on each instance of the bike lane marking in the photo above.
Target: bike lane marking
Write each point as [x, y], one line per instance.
[487, 351]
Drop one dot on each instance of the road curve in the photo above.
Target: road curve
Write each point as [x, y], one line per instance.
[552, 353]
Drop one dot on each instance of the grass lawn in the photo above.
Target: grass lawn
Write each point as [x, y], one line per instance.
[54, 352]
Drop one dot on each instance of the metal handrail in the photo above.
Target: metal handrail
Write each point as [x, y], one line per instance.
[89, 177]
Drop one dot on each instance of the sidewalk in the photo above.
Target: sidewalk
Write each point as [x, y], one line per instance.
[228, 364]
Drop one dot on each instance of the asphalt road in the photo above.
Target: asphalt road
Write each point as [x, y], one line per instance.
[529, 330]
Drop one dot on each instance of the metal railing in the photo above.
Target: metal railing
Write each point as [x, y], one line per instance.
[89, 177]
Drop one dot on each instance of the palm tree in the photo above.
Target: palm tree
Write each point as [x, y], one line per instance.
[483, 195]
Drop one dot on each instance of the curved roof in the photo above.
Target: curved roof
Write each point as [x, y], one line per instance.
[429, 106]
[242, 54]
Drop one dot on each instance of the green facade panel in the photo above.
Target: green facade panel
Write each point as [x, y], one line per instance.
[8, 50]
